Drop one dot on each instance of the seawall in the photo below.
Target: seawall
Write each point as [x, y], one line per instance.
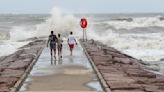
[119, 72]
[15, 67]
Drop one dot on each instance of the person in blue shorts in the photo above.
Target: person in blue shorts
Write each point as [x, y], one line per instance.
[52, 40]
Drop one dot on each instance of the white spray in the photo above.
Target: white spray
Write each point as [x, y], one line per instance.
[59, 23]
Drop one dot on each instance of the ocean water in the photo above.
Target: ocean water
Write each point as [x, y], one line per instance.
[14, 28]
[138, 35]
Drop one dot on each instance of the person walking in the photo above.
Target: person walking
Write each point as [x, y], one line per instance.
[52, 40]
[71, 41]
[60, 41]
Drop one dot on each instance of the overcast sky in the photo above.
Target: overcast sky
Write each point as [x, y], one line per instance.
[83, 6]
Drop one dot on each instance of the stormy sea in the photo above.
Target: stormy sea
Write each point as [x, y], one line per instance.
[138, 35]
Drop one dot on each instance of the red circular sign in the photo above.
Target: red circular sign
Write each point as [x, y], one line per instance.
[83, 23]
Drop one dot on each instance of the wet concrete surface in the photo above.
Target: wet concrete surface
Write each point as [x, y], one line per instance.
[75, 74]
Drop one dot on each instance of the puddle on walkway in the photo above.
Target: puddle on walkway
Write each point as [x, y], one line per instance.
[44, 68]
[95, 85]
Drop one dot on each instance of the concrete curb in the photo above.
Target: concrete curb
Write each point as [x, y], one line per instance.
[99, 75]
[27, 71]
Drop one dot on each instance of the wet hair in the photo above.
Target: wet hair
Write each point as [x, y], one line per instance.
[58, 35]
[52, 32]
[71, 33]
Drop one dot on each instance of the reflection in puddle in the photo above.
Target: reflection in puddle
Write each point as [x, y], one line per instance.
[95, 85]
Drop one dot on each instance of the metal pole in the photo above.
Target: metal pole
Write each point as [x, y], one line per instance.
[86, 34]
[83, 34]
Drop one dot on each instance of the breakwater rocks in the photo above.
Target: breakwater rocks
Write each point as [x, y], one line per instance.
[14, 66]
[122, 73]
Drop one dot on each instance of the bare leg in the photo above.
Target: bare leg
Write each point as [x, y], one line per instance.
[55, 56]
[71, 50]
[51, 57]
[59, 53]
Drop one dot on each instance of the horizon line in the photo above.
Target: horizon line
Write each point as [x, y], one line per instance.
[88, 13]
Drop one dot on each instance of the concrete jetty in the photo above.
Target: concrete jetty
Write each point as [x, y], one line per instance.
[94, 67]
[121, 73]
[15, 67]
[72, 74]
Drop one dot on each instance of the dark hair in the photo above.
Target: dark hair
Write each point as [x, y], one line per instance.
[71, 33]
[52, 32]
[58, 35]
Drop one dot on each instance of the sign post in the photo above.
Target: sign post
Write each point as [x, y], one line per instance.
[83, 24]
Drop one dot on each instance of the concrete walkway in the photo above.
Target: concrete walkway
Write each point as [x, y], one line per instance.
[75, 74]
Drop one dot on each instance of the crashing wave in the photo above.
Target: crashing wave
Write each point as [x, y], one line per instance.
[161, 18]
[124, 19]
[4, 35]
[59, 23]
[138, 22]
